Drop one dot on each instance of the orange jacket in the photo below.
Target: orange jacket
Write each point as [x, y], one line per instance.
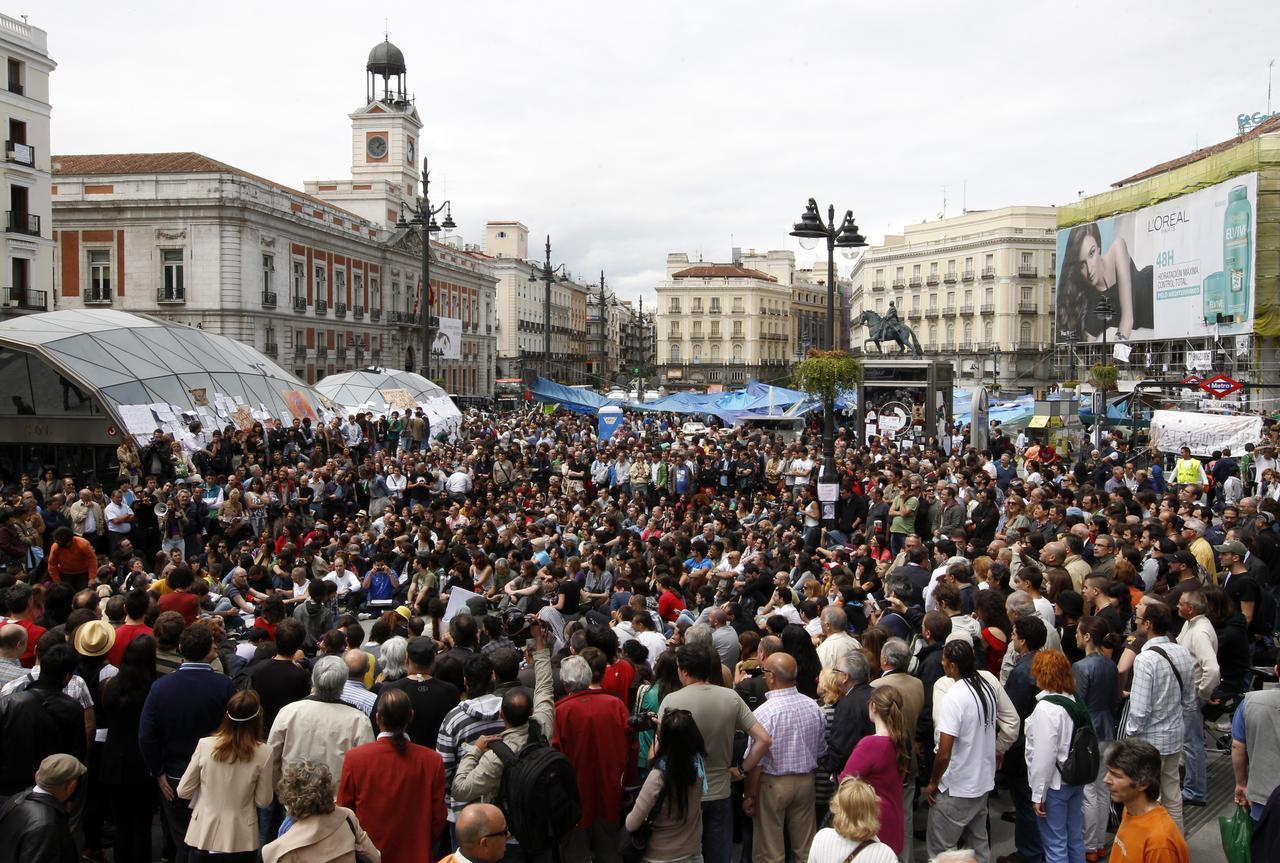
[77, 557]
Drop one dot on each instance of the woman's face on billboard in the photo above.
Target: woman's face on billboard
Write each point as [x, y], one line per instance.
[1091, 263]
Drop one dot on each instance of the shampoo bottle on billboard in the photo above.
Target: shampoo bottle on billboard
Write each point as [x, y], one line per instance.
[1214, 297]
[1237, 253]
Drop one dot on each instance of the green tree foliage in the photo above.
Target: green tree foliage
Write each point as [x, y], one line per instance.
[824, 374]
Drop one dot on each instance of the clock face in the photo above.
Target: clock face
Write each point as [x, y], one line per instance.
[410, 151]
[377, 147]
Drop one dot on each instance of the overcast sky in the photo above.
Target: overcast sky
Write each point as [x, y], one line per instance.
[627, 132]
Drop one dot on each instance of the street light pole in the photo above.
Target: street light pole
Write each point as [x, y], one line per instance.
[604, 333]
[547, 274]
[846, 237]
[424, 218]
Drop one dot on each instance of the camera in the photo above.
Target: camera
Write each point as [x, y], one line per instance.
[642, 722]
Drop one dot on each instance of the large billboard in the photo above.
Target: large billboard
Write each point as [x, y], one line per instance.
[448, 343]
[1183, 268]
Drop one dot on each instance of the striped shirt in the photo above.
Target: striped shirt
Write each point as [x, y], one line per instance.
[1156, 702]
[798, 728]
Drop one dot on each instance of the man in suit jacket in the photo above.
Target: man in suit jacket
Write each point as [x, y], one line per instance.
[34, 826]
[181, 708]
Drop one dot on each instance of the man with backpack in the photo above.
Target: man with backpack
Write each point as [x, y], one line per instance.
[533, 784]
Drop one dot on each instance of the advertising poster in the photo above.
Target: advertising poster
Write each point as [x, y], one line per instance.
[448, 343]
[298, 404]
[1183, 268]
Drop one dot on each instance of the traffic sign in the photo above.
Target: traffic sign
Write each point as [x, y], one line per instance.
[1220, 386]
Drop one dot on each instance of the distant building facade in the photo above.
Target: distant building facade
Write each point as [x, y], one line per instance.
[27, 243]
[977, 289]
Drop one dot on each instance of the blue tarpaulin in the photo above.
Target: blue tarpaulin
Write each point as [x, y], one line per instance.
[580, 401]
[756, 398]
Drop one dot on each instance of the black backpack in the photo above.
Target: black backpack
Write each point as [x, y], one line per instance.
[539, 792]
[1083, 758]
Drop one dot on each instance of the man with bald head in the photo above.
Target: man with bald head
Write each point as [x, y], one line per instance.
[482, 835]
[13, 643]
[353, 692]
[779, 793]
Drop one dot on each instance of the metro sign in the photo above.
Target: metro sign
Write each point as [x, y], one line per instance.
[1192, 380]
[1220, 386]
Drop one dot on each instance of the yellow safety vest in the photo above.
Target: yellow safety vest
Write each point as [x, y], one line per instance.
[1187, 470]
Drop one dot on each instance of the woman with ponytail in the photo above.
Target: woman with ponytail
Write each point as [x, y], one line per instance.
[229, 779]
[882, 760]
[395, 787]
[1098, 686]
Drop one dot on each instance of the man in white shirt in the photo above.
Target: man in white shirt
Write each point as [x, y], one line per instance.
[964, 769]
[459, 483]
[349, 592]
[836, 642]
[119, 517]
[801, 468]
[1201, 641]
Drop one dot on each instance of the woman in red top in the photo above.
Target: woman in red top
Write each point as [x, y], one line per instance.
[988, 608]
[882, 759]
[670, 603]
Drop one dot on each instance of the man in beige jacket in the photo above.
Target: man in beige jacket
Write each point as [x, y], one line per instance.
[1201, 641]
[320, 728]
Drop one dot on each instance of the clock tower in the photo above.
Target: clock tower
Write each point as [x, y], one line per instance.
[385, 156]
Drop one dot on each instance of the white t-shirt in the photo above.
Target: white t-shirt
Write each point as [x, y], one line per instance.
[346, 580]
[654, 642]
[828, 846]
[972, 771]
[1044, 608]
[802, 467]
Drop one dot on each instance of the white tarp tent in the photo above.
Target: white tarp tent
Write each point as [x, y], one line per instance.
[381, 391]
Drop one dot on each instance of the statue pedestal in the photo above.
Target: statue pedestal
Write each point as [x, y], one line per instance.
[905, 398]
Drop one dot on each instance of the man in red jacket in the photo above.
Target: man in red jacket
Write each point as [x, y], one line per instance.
[591, 730]
[395, 787]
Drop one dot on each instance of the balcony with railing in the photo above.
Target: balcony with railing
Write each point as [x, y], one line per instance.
[299, 352]
[18, 222]
[932, 279]
[988, 272]
[1027, 346]
[339, 310]
[268, 299]
[1028, 271]
[915, 314]
[375, 315]
[170, 296]
[932, 312]
[322, 354]
[322, 308]
[299, 304]
[97, 297]
[357, 312]
[966, 276]
[987, 308]
[271, 349]
[966, 347]
[966, 310]
[26, 299]
[950, 277]
[948, 311]
[899, 284]
[877, 285]
[948, 347]
[1028, 307]
[916, 282]
[20, 154]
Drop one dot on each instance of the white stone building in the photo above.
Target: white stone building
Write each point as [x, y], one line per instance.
[977, 289]
[522, 310]
[27, 243]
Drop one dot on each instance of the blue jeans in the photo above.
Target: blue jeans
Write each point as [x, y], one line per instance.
[1193, 783]
[717, 830]
[1062, 830]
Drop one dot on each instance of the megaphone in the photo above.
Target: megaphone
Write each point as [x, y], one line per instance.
[161, 510]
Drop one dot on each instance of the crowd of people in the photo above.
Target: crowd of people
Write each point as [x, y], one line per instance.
[518, 643]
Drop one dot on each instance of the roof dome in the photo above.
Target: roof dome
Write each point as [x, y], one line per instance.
[386, 60]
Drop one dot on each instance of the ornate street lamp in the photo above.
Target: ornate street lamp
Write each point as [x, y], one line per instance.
[424, 220]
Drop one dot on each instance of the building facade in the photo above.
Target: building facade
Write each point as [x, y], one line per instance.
[522, 312]
[313, 285]
[977, 289]
[725, 324]
[27, 244]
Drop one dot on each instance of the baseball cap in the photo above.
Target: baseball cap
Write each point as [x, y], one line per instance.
[57, 770]
[1185, 558]
[1232, 546]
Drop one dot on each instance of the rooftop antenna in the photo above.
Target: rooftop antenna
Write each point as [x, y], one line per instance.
[943, 214]
[964, 197]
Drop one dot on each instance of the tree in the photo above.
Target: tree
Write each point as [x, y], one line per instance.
[825, 374]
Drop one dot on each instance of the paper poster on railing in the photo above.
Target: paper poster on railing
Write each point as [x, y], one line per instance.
[1183, 268]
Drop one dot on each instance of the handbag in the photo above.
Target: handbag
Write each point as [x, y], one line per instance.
[633, 843]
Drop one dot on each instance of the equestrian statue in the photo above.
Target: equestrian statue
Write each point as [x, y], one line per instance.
[889, 329]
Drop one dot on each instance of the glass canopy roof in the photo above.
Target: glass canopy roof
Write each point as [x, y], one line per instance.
[382, 391]
[156, 374]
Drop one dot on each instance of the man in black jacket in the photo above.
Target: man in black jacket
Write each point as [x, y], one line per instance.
[851, 722]
[40, 721]
[34, 825]
[935, 627]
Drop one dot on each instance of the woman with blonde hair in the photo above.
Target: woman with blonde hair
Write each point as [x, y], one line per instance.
[829, 692]
[232, 773]
[851, 838]
[882, 759]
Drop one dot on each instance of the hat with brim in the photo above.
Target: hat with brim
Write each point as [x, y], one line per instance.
[94, 638]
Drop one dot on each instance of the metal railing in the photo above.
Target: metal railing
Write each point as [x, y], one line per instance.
[988, 272]
[167, 296]
[877, 285]
[271, 349]
[966, 310]
[916, 282]
[948, 311]
[268, 299]
[932, 279]
[21, 154]
[967, 276]
[987, 308]
[322, 308]
[357, 312]
[375, 314]
[339, 310]
[932, 312]
[299, 304]
[950, 278]
[18, 222]
[1027, 272]
[27, 299]
[97, 298]
[899, 284]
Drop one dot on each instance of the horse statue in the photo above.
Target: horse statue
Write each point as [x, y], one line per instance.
[888, 329]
